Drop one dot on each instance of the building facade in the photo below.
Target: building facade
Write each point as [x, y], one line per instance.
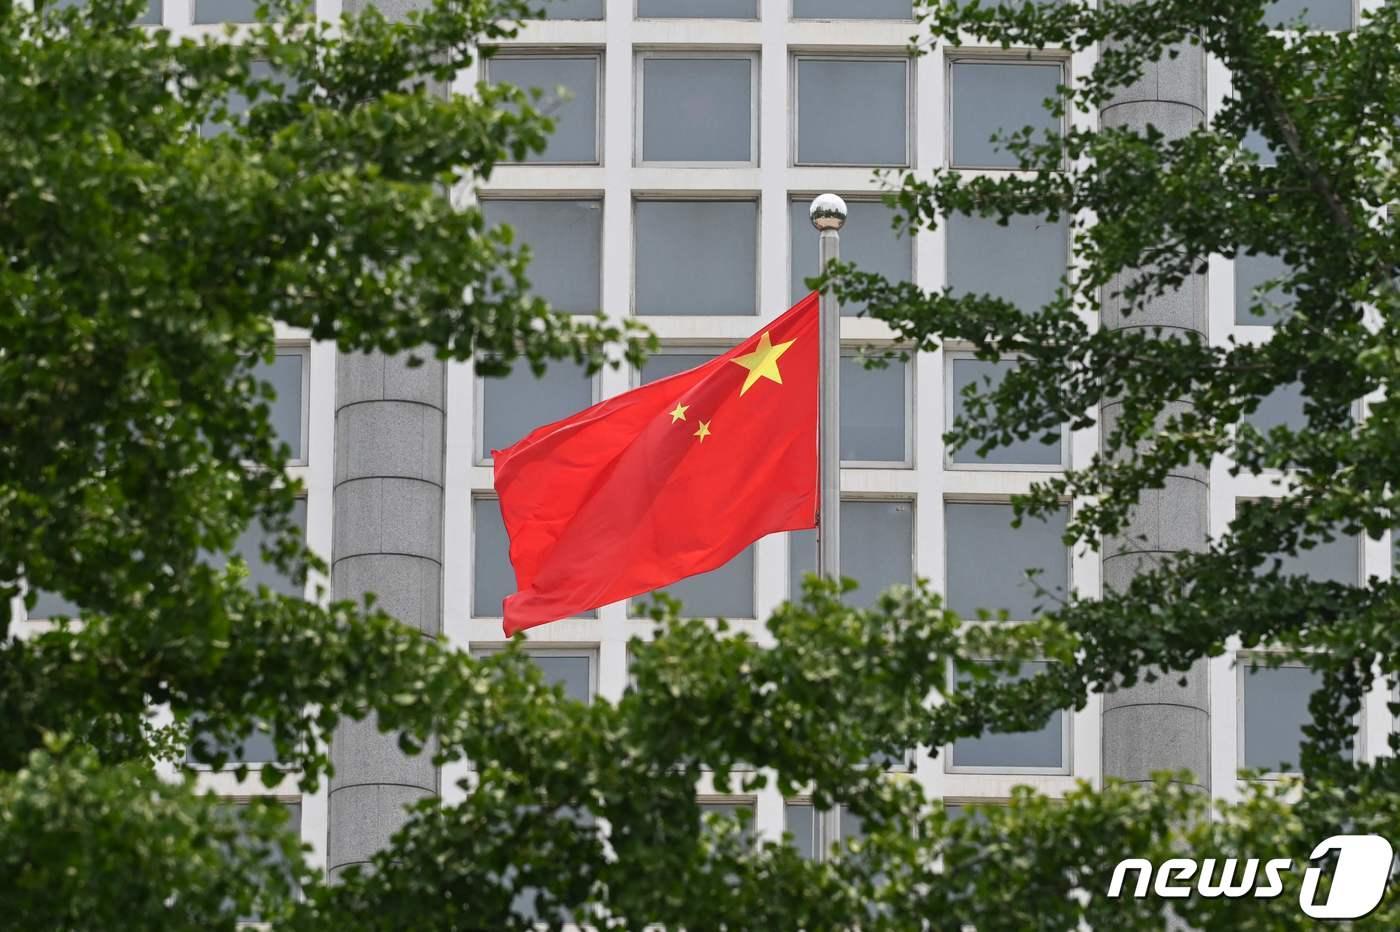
[675, 190]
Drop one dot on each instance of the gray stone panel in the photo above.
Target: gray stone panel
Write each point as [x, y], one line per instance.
[388, 516]
[1108, 421]
[408, 588]
[363, 818]
[1161, 725]
[1183, 309]
[1166, 520]
[389, 438]
[1140, 740]
[362, 754]
[377, 377]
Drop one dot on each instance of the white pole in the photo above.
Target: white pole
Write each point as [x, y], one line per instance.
[828, 215]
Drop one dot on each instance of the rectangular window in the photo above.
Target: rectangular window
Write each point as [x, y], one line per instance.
[513, 405]
[256, 747]
[274, 857]
[695, 257]
[697, 9]
[1260, 297]
[852, 9]
[1337, 560]
[288, 375]
[874, 411]
[1282, 407]
[1333, 15]
[988, 560]
[725, 592]
[816, 832]
[697, 108]
[851, 111]
[1045, 750]
[573, 9]
[1273, 712]
[238, 103]
[575, 137]
[493, 578]
[150, 16]
[52, 605]
[995, 99]
[868, 240]
[566, 247]
[261, 571]
[226, 11]
[877, 549]
[572, 668]
[964, 372]
[980, 258]
[666, 363]
[733, 811]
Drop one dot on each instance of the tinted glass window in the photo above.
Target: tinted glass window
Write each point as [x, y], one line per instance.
[52, 605]
[566, 248]
[1282, 407]
[1021, 263]
[697, 9]
[852, 112]
[1251, 275]
[288, 409]
[873, 411]
[573, 9]
[868, 240]
[515, 404]
[261, 572]
[1317, 14]
[575, 136]
[696, 257]
[697, 109]
[1275, 711]
[226, 11]
[852, 9]
[987, 376]
[996, 99]
[988, 560]
[877, 549]
[1043, 748]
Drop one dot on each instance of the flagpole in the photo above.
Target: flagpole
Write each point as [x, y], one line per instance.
[828, 215]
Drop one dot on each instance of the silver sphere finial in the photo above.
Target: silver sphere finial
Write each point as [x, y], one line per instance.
[828, 212]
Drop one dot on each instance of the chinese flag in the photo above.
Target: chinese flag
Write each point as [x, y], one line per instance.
[665, 481]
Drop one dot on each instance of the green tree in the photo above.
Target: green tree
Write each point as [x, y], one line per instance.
[135, 247]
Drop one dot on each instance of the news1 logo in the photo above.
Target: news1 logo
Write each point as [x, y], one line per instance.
[1358, 881]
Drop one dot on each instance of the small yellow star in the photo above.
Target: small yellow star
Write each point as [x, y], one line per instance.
[702, 431]
[679, 413]
[762, 363]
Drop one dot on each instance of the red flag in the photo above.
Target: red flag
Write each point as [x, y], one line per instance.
[665, 481]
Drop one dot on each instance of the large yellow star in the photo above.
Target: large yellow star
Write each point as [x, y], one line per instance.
[679, 413]
[762, 363]
[703, 431]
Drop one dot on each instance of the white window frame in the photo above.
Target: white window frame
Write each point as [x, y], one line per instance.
[890, 497]
[691, 198]
[796, 58]
[482, 456]
[1359, 540]
[508, 53]
[739, 801]
[642, 56]
[947, 246]
[1243, 660]
[1355, 24]
[991, 57]
[1001, 499]
[676, 349]
[1066, 767]
[850, 350]
[951, 357]
[231, 764]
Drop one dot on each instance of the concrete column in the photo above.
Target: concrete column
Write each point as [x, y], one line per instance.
[1161, 725]
[389, 427]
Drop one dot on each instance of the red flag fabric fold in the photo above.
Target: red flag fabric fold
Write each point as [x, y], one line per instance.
[665, 481]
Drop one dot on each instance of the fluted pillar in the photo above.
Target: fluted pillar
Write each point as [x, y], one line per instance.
[1162, 725]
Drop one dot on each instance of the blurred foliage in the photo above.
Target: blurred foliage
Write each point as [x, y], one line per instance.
[145, 263]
